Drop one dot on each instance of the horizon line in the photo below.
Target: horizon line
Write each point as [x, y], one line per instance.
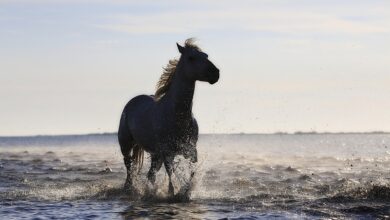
[217, 133]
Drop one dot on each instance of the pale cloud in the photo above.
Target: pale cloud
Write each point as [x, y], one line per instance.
[279, 21]
[296, 23]
[142, 29]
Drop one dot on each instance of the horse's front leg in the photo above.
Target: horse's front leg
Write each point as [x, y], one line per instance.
[168, 163]
[154, 168]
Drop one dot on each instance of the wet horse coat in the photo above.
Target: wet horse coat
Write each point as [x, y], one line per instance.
[163, 125]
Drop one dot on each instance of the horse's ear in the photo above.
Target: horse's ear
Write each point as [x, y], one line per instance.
[180, 48]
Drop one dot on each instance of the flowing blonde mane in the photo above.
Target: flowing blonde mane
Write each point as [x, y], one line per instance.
[165, 80]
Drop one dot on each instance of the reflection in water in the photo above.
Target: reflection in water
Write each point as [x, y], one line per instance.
[164, 211]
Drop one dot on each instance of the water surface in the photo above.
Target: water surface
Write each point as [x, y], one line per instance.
[238, 176]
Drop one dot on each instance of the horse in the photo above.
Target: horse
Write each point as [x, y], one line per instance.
[163, 124]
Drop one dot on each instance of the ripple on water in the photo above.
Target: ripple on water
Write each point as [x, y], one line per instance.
[72, 183]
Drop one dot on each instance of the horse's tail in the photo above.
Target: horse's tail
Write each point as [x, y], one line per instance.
[138, 156]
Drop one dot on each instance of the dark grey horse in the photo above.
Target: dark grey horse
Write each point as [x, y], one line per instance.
[163, 124]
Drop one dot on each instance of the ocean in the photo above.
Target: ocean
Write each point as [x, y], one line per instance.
[238, 176]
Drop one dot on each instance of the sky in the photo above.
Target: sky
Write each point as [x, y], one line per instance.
[69, 67]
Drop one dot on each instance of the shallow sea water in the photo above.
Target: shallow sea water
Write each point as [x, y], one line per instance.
[313, 176]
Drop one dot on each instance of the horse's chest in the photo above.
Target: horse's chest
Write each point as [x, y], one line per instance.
[172, 124]
[174, 133]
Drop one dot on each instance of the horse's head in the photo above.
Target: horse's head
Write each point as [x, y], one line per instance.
[197, 66]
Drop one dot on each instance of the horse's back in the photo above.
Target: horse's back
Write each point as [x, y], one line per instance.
[138, 102]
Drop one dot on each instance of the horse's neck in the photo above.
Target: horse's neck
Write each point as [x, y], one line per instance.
[181, 93]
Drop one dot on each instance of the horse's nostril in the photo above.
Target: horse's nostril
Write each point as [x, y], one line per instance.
[214, 79]
[216, 75]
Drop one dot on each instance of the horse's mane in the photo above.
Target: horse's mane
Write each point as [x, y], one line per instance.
[165, 80]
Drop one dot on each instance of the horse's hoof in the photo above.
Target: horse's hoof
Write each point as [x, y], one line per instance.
[128, 183]
[132, 192]
[171, 192]
[128, 189]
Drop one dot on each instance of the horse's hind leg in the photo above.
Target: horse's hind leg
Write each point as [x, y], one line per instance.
[126, 143]
[126, 147]
[168, 163]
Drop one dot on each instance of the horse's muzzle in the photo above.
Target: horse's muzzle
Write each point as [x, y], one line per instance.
[214, 78]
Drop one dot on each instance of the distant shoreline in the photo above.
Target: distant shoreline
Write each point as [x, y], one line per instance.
[207, 134]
